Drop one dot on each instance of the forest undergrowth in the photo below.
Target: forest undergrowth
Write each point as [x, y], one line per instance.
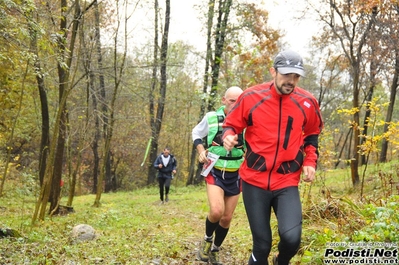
[133, 228]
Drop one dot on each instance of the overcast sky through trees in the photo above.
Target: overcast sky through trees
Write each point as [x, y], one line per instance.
[186, 25]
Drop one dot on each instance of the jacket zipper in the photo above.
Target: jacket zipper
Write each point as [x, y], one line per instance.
[278, 143]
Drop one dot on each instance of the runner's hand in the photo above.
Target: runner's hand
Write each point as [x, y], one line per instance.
[309, 173]
[203, 156]
[230, 141]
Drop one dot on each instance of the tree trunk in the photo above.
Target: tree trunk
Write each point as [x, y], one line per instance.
[41, 204]
[373, 72]
[355, 128]
[366, 119]
[74, 169]
[64, 88]
[93, 92]
[45, 137]
[77, 154]
[108, 173]
[392, 98]
[194, 176]
[348, 137]
[220, 35]
[105, 169]
[102, 95]
[195, 168]
[45, 128]
[63, 79]
[151, 98]
[156, 120]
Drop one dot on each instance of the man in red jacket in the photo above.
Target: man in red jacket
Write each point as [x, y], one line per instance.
[282, 123]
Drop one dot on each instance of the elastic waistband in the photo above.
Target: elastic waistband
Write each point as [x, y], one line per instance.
[226, 169]
[230, 157]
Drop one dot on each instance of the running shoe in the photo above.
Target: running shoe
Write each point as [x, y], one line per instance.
[214, 258]
[275, 260]
[203, 252]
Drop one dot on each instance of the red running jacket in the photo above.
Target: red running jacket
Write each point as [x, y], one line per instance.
[281, 133]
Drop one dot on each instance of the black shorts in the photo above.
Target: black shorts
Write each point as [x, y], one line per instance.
[229, 181]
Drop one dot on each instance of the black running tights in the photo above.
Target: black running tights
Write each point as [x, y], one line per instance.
[164, 183]
[287, 207]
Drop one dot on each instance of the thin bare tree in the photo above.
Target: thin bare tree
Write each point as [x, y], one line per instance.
[157, 115]
[118, 72]
[213, 62]
[392, 40]
[351, 27]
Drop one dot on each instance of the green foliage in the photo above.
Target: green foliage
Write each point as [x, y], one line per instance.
[335, 212]
[375, 123]
[383, 222]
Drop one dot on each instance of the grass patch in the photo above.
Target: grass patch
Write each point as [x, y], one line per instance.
[134, 229]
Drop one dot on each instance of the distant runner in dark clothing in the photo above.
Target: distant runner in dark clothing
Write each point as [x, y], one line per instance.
[166, 165]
